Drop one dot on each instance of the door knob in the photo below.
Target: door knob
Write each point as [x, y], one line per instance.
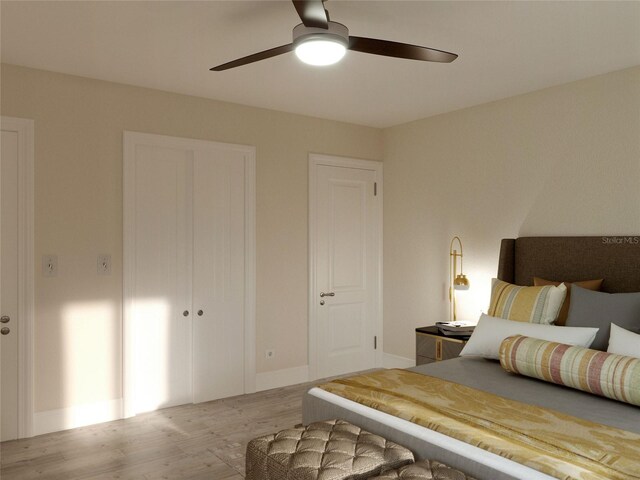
[200, 313]
[329, 294]
[4, 330]
[4, 319]
[321, 302]
[185, 313]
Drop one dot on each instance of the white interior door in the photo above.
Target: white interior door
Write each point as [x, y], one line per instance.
[218, 280]
[162, 290]
[9, 285]
[345, 303]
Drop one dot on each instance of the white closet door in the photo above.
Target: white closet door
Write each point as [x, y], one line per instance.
[184, 252]
[218, 274]
[162, 290]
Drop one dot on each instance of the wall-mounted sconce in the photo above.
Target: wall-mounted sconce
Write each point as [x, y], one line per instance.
[457, 281]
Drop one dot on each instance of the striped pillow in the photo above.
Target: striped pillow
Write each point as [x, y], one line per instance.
[601, 373]
[526, 304]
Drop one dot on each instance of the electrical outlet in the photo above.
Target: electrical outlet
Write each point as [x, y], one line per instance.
[49, 265]
[104, 264]
[269, 354]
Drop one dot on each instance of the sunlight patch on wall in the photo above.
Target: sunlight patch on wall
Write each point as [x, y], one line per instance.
[89, 338]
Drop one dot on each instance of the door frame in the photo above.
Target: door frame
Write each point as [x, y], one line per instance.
[130, 140]
[25, 129]
[315, 160]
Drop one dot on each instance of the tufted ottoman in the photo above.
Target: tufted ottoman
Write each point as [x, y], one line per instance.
[424, 470]
[331, 450]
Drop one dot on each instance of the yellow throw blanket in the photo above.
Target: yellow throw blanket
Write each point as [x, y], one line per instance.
[559, 445]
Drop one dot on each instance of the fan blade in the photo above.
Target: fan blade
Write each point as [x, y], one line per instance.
[399, 50]
[256, 57]
[312, 13]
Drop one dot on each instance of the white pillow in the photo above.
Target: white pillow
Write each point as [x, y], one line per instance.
[624, 342]
[491, 331]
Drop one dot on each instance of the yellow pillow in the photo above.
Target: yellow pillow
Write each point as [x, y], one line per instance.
[526, 304]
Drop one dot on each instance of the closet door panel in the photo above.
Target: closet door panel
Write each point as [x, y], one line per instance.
[162, 333]
[218, 274]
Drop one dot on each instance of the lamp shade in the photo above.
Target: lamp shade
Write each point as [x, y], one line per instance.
[461, 282]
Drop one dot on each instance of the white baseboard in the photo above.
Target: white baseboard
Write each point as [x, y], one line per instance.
[395, 361]
[282, 378]
[106, 411]
[77, 416]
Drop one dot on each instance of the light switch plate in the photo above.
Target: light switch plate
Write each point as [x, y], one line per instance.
[104, 264]
[49, 265]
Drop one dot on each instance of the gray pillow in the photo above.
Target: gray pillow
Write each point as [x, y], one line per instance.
[599, 309]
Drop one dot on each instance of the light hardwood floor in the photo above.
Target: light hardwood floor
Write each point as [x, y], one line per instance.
[204, 441]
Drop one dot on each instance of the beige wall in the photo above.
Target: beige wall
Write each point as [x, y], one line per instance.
[560, 161]
[564, 160]
[78, 155]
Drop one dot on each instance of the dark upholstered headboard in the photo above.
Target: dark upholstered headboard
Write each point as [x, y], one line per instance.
[616, 259]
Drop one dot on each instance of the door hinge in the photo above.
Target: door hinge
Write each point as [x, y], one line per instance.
[375, 189]
[375, 342]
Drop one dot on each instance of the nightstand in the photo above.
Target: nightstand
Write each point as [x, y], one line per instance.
[433, 346]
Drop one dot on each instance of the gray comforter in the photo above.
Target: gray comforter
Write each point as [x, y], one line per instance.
[488, 375]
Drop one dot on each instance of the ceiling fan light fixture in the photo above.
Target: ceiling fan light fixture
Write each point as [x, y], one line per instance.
[320, 52]
[319, 46]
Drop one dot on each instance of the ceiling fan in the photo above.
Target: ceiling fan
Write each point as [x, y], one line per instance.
[319, 41]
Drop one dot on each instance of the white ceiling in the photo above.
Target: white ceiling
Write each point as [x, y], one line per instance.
[505, 48]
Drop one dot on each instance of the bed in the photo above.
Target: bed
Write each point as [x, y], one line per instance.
[614, 258]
